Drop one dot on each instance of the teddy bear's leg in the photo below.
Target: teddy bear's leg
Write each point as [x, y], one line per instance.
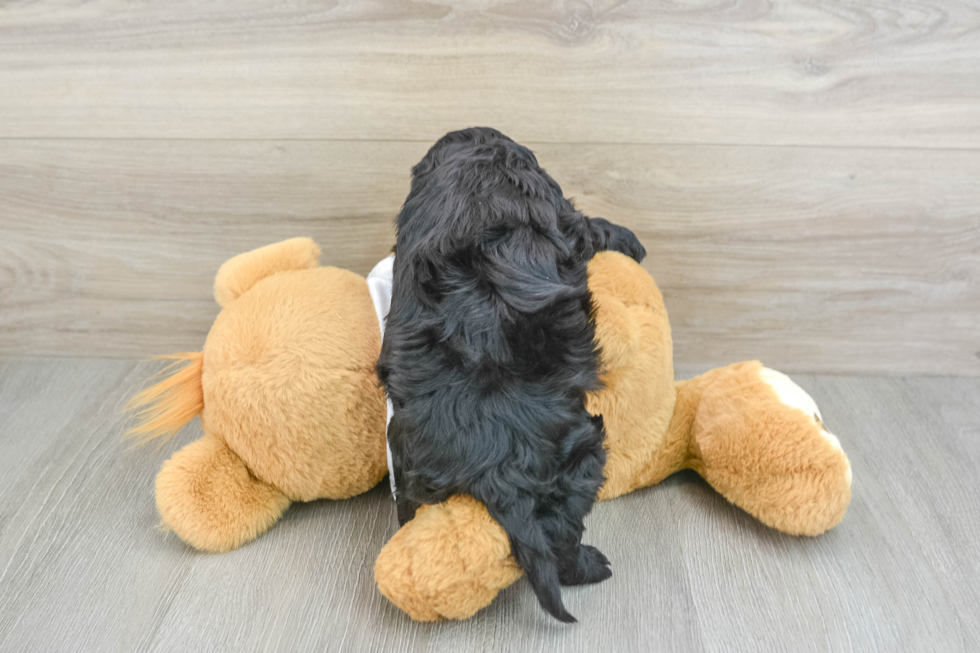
[206, 495]
[759, 440]
[447, 563]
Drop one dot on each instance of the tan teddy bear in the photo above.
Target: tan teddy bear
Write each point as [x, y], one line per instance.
[292, 411]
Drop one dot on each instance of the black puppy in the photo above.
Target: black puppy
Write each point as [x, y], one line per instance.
[488, 352]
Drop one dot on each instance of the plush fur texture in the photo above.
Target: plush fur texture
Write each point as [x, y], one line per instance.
[489, 352]
[771, 458]
[207, 496]
[287, 394]
[743, 426]
[290, 387]
[475, 551]
[774, 459]
[166, 406]
[240, 273]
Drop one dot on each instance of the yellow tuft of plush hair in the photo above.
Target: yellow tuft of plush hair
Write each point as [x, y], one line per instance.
[165, 407]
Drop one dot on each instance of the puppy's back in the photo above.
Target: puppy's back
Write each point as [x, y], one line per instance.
[488, 347]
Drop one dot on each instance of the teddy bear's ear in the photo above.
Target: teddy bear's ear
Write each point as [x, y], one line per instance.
[207, 496]
[240, 273]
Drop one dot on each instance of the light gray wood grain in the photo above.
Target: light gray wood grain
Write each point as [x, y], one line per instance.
[809, 258]
[83, 568]
[792, 72]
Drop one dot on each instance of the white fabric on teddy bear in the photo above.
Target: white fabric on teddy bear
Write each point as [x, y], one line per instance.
[379, 285]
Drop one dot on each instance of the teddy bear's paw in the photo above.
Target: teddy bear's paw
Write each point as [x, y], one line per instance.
[794, 396]
[759, 440]
[449, 562]
[591, 566]
[207, 496]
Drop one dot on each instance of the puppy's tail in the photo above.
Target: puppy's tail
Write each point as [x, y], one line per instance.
[532, 552]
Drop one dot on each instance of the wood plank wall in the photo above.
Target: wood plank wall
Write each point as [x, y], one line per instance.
[805, 176]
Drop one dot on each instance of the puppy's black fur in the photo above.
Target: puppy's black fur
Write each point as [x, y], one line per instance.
[488, 352]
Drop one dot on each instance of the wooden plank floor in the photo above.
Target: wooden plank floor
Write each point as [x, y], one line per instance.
[82, 567]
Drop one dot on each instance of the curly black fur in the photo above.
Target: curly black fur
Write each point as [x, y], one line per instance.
[488, 352]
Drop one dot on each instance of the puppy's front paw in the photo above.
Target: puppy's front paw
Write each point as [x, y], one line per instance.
[624, 241]
[630, 245]
[618, 239]
[591, 566]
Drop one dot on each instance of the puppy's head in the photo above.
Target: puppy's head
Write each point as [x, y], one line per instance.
[461, 143]
[474, 148]
[473, 188]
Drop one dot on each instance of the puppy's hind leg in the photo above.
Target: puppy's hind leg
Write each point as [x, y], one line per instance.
[406, 507]
[581, 478]
[515, 511]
